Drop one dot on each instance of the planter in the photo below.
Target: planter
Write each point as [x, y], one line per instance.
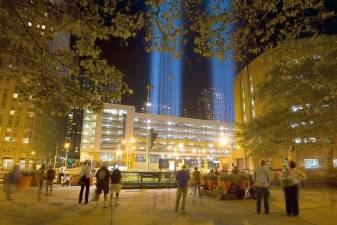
[212, 184]
[24, 183]
[35, 181]
[244, 184]
[226, 185]
[203, 182]
[74, 180]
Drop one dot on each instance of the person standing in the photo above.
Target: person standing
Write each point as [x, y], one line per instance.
[290, 179]
[84, 182]
[261, 178]
[182, 178]
[196, 181]
[116, 186]
[61, 174]
[11, 179]
[102, 184]
[50, 176]
[42, 176]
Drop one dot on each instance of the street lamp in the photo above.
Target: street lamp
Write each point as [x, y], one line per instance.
[126, 143]
[223, 141]
[66, 147]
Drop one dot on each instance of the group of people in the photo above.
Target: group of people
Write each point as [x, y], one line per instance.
[106, 182]
[290, 178]
[46, 177]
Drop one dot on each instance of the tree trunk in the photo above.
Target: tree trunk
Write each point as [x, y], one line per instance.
[329, 160]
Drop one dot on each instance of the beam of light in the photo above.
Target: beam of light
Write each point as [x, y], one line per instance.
[222, 76]
[166, 78]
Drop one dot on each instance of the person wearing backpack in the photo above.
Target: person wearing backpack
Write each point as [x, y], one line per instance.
[50, 176]
[102, 184]
[116, 186]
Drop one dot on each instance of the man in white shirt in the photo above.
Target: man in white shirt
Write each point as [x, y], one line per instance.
[261, 178]
[85, 182]
[61, 174]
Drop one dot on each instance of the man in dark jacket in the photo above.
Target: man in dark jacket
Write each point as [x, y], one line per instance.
[50, 176]
[102, 184]
[182, 178]
[115, 185]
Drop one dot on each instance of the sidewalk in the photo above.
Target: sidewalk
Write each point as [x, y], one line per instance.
[155, 207]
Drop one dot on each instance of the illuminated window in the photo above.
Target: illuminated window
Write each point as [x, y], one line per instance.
[12, 112]
[15, 95]
[335, 163]
[7, 138]
[311, 163]
[25, 140]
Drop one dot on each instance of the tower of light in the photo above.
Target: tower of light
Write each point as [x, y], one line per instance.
[222, 77]
[166, 72]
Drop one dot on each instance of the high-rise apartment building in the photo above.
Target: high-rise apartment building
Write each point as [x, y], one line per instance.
[211, 105]
[27, 134]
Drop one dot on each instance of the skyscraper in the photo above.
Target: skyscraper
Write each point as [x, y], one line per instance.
[211, 105]
[28, 134]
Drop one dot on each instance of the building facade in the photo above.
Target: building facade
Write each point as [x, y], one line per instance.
[211, 105]
[119, 135]
[247, 108]
[73, 132]
[27, 133]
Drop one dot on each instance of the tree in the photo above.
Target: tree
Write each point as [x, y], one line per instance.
[49, 69]
[55, 76]
[300, 106]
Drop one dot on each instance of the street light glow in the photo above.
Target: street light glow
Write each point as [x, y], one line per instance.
[223, 140]
[66, 145]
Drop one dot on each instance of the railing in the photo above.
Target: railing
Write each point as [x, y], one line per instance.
[148, 179]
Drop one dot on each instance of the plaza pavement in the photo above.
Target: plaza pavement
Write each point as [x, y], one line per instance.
[155, 207]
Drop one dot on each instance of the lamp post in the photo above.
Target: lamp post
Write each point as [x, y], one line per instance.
[149, 87]
[66, 147]
[55, 158]
[126, 143]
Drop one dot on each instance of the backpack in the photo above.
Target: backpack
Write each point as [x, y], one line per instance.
[101, 175]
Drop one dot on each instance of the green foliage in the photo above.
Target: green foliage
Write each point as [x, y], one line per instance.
[211, 177]
[35, 51]
[34, 40]
[226, 177]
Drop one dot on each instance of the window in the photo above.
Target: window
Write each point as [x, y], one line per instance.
[335, 163]
[12, 112]
[25, 140]
[15, 95]
[311, 163]
[7, 138]
[140, 158]
[8, 163]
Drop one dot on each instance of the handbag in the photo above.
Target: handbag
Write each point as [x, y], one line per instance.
[287, 182]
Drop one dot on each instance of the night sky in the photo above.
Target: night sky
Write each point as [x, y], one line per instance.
[135, 63]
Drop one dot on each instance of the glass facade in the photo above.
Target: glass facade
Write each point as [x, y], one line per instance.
[88, 135]
[191, 140]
